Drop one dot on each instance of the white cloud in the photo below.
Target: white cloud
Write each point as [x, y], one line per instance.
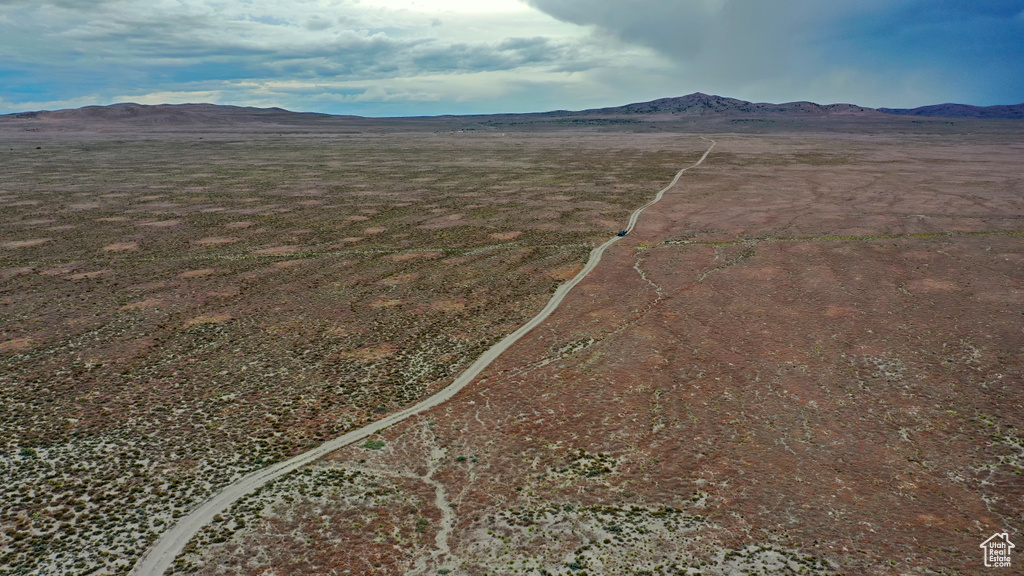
[447, 52]
[174, 97]
[379, 94]
[484, 55]
[8, 106]
[465, 6]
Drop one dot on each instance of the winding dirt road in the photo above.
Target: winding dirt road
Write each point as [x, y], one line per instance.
[161, 556]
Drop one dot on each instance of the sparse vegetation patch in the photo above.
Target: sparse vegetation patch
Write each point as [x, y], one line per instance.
[179, 312]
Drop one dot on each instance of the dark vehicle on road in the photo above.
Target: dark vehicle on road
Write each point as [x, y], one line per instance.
[623, 232]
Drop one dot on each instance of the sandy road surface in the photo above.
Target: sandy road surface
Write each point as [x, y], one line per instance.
[161, 556]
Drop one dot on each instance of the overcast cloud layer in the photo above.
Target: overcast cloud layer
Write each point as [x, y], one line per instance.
[389, 57]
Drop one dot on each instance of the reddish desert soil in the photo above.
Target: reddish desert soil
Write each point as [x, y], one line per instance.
[806, 359]
[178, 310]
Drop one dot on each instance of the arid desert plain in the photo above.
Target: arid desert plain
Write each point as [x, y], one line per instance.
[808, 358]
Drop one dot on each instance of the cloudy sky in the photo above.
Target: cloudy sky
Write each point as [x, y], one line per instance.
[407, 57]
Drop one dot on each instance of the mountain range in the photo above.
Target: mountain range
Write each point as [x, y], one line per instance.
[696, 105]
[1012, 112]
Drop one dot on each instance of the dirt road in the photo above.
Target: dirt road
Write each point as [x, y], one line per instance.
[161, 556]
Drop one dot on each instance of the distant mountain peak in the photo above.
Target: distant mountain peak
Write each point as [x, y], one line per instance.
[950, 110]
[153, 115]
[701, 104]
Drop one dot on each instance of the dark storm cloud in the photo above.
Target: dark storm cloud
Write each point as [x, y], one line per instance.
[966, 49]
